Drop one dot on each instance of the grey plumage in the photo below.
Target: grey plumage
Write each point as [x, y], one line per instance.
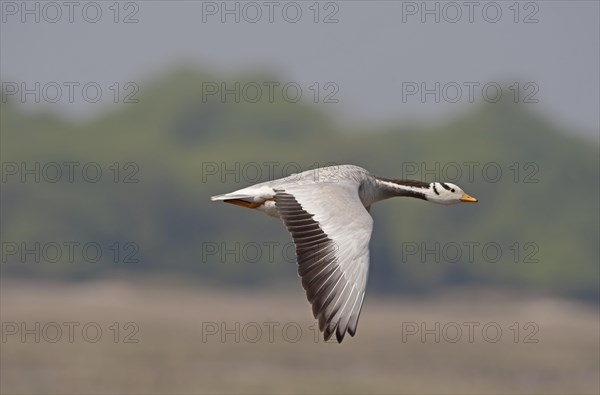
[326, 212]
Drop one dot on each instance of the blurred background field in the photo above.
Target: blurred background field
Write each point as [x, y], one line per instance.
[176, 354]
[175, 266]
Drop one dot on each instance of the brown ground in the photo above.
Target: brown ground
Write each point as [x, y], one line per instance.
[176, 353]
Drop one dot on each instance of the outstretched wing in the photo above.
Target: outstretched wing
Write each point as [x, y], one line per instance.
[331, 230]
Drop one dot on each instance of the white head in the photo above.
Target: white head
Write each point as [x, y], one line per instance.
[447, 193]
[436, 192]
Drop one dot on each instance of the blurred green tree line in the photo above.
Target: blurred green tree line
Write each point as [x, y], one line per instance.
[536, 226]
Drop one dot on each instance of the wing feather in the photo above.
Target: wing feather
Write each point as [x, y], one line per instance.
[331, 230]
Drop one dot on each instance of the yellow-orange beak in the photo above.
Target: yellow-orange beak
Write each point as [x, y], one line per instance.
[467, 198]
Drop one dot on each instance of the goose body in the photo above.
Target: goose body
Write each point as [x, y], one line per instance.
[326, 210]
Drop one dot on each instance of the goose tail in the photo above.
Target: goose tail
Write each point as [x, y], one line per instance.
[230, 196]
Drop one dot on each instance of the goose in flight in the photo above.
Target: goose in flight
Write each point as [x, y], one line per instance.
[326, 210]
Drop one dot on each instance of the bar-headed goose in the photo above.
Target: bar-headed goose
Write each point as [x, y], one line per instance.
[327, 212]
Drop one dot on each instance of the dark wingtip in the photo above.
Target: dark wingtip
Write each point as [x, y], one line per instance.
[352, 331]
[327, 334]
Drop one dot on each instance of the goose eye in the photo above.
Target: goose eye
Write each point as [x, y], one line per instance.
[453, 190]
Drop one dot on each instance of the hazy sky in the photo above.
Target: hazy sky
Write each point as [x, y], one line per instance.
[378, 55]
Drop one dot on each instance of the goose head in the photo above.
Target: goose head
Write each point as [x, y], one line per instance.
[447, 193]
